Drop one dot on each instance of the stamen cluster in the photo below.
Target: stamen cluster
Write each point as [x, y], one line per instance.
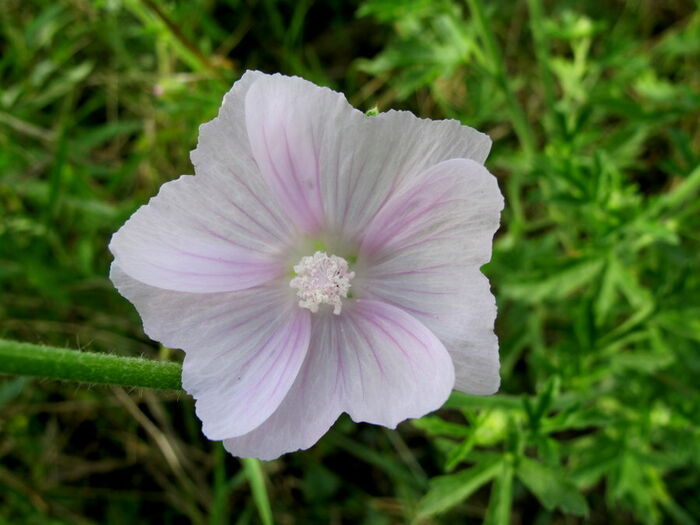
[322, 279]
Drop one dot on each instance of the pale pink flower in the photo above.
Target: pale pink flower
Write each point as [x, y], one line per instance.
[320, 261]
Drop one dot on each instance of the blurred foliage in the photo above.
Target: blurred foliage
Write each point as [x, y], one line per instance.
[594, 111]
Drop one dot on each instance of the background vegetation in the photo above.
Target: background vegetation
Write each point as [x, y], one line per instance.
[594, 109]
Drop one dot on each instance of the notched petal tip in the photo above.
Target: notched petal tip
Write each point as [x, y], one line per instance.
[228, 127]
[471, 143]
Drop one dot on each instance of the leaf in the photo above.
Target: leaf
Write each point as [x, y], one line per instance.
[607, 294]
[551, 488]
[11, 389]
[646, 362]
[465, 401]
[436, 426]
[501, 500]
[557, 286]
[100, 135]
[447, 491]
[458, 454]
[684, 322]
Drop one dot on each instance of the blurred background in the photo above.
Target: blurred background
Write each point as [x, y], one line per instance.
[594, 109]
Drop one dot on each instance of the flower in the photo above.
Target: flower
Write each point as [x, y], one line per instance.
[320, 261]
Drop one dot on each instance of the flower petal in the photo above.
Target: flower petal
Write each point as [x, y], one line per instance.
[385, 153]
[392, 367]
[243, 349]
[223, 154]
[329, 166]
[293, 124]
[194, 237]
[373, 361]
[310, 408]
[223, 141]
[423, 251]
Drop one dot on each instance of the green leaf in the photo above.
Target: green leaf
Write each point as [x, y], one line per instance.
[501, 500]
[684, 322]
[436, 426]
[607, 295]
[551, 487]
[458, 454]
[98, 136]
[557, 286]
[646, 362]
[447, 491]
[466, 401]
[11, 389]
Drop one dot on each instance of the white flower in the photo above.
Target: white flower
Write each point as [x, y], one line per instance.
[320, 261]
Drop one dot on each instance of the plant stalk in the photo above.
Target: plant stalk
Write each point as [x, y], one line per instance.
[26, 359]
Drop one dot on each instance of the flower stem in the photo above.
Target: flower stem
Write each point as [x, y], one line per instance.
[27, 359]
[256, 479]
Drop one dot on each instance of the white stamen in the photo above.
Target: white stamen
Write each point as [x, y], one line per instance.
[322, 279]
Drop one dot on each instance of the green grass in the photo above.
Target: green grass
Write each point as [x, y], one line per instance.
[594, 111]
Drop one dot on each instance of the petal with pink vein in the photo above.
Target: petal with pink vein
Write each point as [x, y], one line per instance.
[331, 167]
[423, 252]
[194, 237]
[375, 362]
[243, 349]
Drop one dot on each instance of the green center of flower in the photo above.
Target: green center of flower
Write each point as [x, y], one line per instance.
[322, 279]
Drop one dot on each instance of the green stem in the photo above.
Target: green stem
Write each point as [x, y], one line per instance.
[539, 36]
[494, 55]
[219, 506]
[256, 480]
[27, 359]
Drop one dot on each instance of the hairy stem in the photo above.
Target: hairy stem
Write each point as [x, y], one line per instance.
[27, 359]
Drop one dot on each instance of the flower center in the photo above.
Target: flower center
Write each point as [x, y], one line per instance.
[321, 279]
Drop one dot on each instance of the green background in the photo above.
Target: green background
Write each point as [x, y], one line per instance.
[594, 109]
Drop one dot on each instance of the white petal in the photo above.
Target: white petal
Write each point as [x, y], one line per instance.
[294, 128]
[193, 237]
[331, 167]
[223, 154]
[243, 349]
[310, 408]
[386, 152]
[392, 367]
[223, 149]
[373, 361]
[223, 141]
[423, 251]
